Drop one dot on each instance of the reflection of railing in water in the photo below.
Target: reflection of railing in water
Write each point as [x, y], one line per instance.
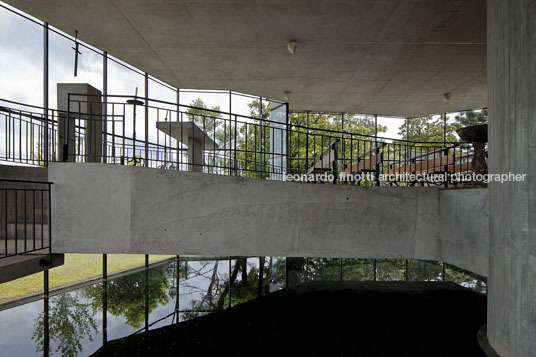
[244, 146]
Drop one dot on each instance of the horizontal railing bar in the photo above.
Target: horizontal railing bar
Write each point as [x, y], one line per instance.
[25, 181]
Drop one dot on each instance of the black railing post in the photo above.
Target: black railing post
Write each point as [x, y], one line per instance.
[146, 120]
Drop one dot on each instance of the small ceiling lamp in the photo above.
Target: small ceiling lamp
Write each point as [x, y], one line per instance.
[286, 95]
[446, 97]
[291, 46]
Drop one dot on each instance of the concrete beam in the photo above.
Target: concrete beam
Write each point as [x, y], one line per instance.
[118, 209]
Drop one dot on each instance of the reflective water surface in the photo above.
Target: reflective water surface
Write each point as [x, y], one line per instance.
[80, 320]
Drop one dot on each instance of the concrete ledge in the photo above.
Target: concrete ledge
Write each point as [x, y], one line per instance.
[99, 208]
[19, 266]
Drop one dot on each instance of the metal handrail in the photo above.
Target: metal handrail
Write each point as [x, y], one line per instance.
[27, 216]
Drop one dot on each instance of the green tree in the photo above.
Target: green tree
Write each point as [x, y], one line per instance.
[253, 142]
[471, 117]
[216, 127]
[309, 141]
[427, 130]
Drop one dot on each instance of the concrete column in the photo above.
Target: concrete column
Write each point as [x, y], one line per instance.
[87, 106]
[195, 155]
[512, 148]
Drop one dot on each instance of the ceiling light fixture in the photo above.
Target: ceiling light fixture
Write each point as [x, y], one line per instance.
[286, 95]
[291, 46]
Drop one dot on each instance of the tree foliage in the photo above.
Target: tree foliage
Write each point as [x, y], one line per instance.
[471, 117]
[427, 129]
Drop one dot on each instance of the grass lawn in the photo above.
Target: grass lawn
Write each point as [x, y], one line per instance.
[77, 268]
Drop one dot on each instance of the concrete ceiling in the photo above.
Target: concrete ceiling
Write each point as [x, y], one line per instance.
[393, 57]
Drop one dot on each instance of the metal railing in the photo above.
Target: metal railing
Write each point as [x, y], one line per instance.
[25, 222]
[137, 131]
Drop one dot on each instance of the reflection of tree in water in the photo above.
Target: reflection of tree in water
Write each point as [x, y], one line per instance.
[70, 321]
[126, 295]
[215, 295]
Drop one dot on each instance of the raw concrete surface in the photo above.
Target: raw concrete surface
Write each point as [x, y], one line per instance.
[368, 56]
[512, 148]
[102, 208]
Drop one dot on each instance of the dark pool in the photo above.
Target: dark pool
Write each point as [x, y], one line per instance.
[82, 318]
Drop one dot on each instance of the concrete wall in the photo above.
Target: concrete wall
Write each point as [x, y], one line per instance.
[512, 148]
[119, 209]
[464, 216]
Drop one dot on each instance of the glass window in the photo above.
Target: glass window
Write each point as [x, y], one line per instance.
[21, 61]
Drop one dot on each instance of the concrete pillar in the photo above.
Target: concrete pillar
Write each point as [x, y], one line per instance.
[512, 148]
[195, 155]
[86, 106]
